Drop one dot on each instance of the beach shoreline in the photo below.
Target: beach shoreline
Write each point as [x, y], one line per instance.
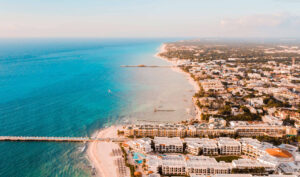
[98, 152]
[163, 49]
[175, 68]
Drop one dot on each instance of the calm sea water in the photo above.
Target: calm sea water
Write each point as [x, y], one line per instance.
[73, 87]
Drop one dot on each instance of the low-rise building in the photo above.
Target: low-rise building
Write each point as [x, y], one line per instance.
[214, 85]
[272, 120]
[153, 163]
[165, 144]
[253, 148]
[276, 156]
[251, 164]
[289, 168]
[229, 146]
[203, 165]
[173, 165]
[245, 128]
[142, 145]
[204, 146]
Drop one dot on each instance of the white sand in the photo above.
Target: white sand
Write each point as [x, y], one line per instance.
[163, 49]
[177, 69]
[99, 153]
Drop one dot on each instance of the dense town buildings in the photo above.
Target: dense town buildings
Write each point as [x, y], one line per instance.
[248, 104]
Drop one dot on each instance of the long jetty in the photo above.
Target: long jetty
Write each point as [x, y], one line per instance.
[58, 139]
[145, 66]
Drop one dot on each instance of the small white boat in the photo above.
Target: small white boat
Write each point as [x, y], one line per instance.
[83, 148]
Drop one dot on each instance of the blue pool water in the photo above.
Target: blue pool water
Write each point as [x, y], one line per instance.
[72, 87]
[138, 157]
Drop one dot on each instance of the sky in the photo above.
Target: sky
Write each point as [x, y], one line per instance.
[150, 18]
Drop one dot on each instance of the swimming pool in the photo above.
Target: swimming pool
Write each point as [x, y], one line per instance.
[138, 157]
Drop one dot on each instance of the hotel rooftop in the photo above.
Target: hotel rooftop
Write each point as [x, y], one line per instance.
[168, 141]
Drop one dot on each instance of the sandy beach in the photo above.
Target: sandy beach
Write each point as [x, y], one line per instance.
[177, 69]
[100, 153]
[163, 49]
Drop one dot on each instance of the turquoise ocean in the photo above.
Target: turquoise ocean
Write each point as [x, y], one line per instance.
[73, 87]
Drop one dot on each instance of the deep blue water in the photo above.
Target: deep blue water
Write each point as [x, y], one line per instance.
[72, 87]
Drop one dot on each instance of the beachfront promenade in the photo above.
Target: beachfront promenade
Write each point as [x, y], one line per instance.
[59, 139]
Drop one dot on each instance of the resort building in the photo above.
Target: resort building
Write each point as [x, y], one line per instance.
[253, 148]
[204, 146]
[165, 144]
[245, 128]
[276, 156]
[173, 165]
[151, 130]
[229, 146]
[142, 145]
[251, 164]
[289, 168]
[153, 163]
[214, 128]
[203, 165]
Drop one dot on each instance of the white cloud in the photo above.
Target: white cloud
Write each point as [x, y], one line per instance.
[284, 24]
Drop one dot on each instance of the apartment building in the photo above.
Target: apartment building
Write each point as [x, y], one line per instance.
[151, 130]
[173, 165]
[204, 146]
[212, 85]
[242, 128]
[142, 145]
[203, 165]
[250, 164]
[200, 165]
[165, 144]
[229, 146]
[253, 148]
[245, 128]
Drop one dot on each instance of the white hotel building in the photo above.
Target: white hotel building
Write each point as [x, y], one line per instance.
[165, 144]
[141, 145]
[203, 165]
[229, 146]
[253, 148]
[203, 146]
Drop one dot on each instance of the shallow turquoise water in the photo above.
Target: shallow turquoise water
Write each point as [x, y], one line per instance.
[73, 87]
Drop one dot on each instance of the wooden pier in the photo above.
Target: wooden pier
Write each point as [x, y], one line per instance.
[145, 66]
[59, 139]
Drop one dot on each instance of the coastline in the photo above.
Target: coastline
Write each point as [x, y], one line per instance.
[99, 153]
[195, 85]
[162, 49]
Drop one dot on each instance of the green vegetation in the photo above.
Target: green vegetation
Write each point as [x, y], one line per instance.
[131, 167]
[272, 102]
[226, 110]
[205, 116]
[119, 132]
[260, 170]
[289, 122]
[250, 53]
[227, 158]
[246, 116]
[279, 140]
